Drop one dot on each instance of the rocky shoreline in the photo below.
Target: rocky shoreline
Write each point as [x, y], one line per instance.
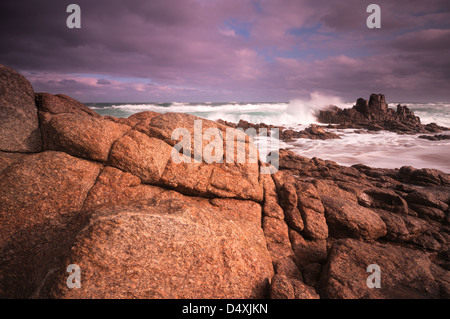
[375, 115]
[366, 116]
[104, 193]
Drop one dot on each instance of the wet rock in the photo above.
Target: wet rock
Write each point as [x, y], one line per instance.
[438, 137]
[384, 199]
[313, 132]
[423, 177]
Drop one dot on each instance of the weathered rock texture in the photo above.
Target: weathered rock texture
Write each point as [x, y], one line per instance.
[107, 195]
[397, 219]
[19, 125]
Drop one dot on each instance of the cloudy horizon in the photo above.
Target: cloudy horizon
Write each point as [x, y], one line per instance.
[230, 50]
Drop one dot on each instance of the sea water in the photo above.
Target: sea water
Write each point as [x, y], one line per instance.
[376, 149]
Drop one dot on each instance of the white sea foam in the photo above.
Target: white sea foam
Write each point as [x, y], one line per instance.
[381, 149]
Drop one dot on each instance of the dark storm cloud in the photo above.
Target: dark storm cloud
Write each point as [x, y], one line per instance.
[103, 82]
[229, 49]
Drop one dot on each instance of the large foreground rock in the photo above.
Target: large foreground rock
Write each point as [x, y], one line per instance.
[144, 241]
[173, 250]
[19, 124]
[146, 149]
[41, 197]
[82, 136]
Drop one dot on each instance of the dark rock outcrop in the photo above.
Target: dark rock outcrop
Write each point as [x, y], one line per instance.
[438, 137]
[313, 132]
[375, 115]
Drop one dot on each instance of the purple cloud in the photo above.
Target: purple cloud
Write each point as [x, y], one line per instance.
[194, 50]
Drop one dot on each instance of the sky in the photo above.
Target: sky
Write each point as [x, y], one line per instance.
[230, 50]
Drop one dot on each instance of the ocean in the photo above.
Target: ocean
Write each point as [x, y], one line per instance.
[376, 149]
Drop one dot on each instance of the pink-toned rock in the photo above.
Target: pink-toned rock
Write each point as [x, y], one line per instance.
[141, 121]
[312, 211]
[288, 195]
[306, 190]
[395, 225]
[79, 135]
[167, 249]
[330, 189]
[287, 266]
[59, 104]
[6, 159]
[41, 197]
[294, 218]
[140, 155]
[272, 209]
[19, 123]
[281, 288]
[166, 126]
[217, 179]
[348, 219]
[138, 121]
[271, 205]
[195, 247]
[307, 251]
[236, 209]
[315, 224]
[287, 288]
[222, 178]
[276, 233]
